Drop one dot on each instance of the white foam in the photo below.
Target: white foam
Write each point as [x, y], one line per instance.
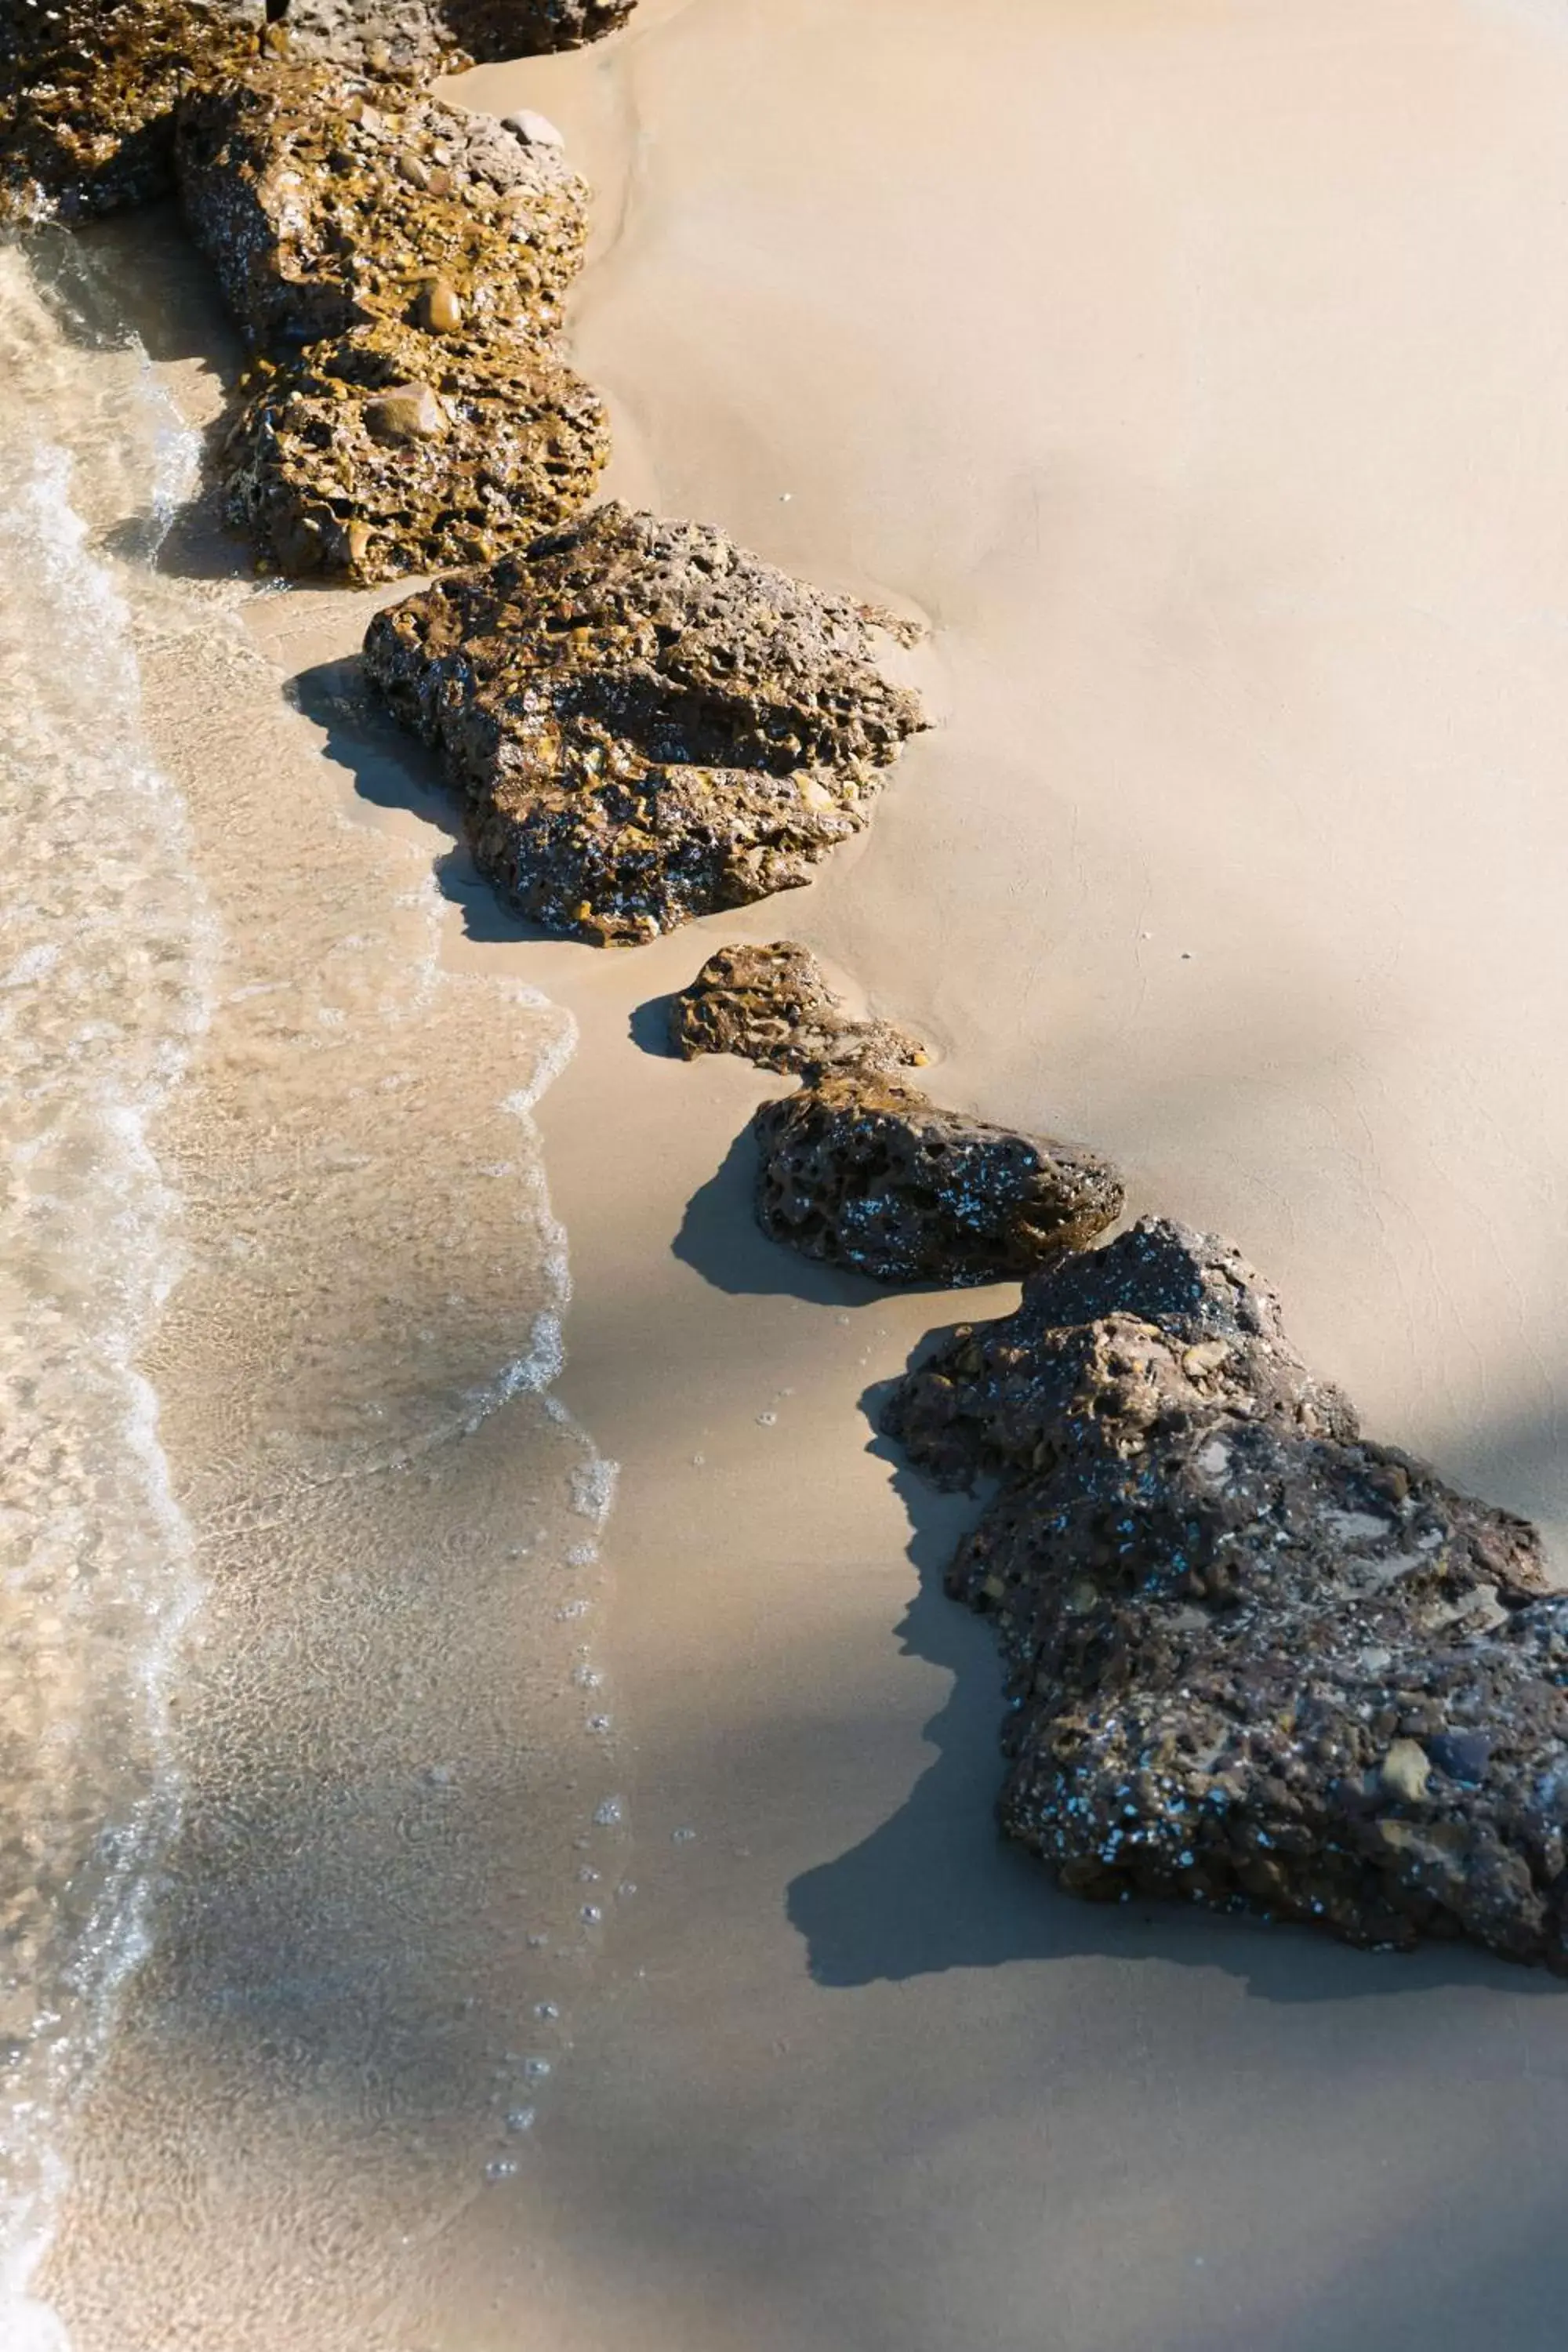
[106, 952]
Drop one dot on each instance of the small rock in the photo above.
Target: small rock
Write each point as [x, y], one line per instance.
[771, 1005]
[534, 130]
[866, 1173]
[1405, 1773]
[411, 169]
[440, 308]
[407, 411]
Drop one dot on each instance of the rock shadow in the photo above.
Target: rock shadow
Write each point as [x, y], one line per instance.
[936, 1886]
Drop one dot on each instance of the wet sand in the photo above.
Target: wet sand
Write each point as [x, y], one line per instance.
[1200, 373]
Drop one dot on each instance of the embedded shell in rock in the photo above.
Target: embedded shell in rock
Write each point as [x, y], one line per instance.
[866, 1173]
[646, 723]
[1255, 1660]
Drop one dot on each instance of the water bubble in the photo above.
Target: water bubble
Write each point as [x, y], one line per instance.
[586, 1677]
[627, 1886]
[681, 1837]
[592, 1914]
[609, 1813]
[766, 1420]
[536, 2070]
[521, 2119]
[588, 1878]
[582, 1555]
[537, 1943]
[697, 1460]
[546, 2009]
[501, 2168]
[598, 1723]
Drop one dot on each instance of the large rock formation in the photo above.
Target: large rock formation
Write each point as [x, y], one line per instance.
[770, 1004]
[388, 452]
[865, 1172]
[403, 263]
[326, 201]
[645, 723]
[88, 93]
[88, 89]
[1255, 1660]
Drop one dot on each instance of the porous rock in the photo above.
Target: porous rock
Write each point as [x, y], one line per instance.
[88, 89]
[1254, 1661]
[88, 93]
[386, 452]
[770, 1004]
[327, 202]
[866, 1173]
[645, 723]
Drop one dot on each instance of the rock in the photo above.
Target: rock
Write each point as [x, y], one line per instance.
[440, 308]
[320, 212]
[87, 95]
[771, 1005]
[534, 130]
[441, 456]
[1405, 1773]
[88, 87]
[409, 412]
[645, 723]
[1246, 1646]
[1160, 1320]
[866, 1173]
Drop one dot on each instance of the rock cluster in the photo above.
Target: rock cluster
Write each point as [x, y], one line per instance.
[401, 265]
[771, 1005]
[88, 89]
[645, 723]
[864, 1172]
[1255, 1660]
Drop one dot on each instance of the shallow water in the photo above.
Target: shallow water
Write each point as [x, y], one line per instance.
[313, 1824]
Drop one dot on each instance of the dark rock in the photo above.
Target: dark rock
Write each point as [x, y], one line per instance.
[88, 93]
[1160, 1320]
[771, 1005]
[1253, 1660]
[329, 442]
[866, 1173]
[318, 211]
[646, 723]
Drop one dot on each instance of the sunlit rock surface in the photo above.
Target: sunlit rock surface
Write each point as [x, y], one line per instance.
[770, 1003]
[645, 723]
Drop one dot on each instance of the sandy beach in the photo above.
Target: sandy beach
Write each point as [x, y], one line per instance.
[1199, 374]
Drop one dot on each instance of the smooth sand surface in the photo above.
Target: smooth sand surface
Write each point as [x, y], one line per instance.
[1201, 371]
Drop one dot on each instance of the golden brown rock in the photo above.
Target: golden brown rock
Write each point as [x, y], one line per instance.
[438, 455]
[645, 723]
[313, 191]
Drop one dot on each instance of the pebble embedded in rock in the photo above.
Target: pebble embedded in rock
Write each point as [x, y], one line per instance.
[1406, 1772]
[534, 130]
[440, 308]
[408, 411]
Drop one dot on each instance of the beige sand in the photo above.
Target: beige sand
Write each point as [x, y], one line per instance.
[1200, 370]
